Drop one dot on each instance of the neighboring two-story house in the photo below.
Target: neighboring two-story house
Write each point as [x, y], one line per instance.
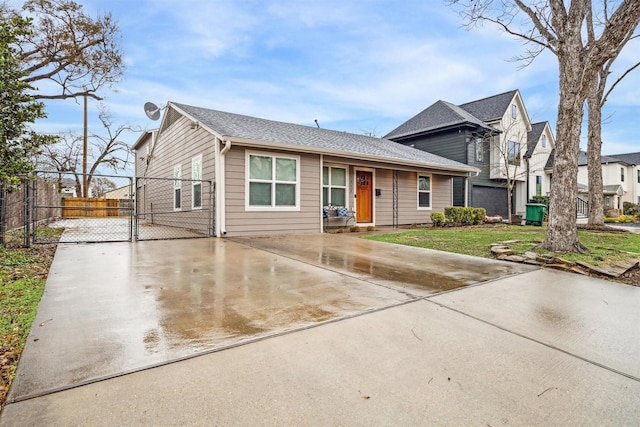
[493, 134]
[620, 179]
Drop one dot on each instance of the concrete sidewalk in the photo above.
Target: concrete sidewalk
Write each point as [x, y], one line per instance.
[539, 347]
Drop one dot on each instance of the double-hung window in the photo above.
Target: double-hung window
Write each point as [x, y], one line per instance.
[334, 186]
[196, 182]
[273, 182]
[622, 174]
[513, 153]
[479, 148]
[544, 141]
[177, 187]
[424, 192]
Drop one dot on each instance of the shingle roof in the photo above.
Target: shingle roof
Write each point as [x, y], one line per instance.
[439, 115]
[443, 114]
[533, 137]
[550, 160]
[491, 108]
[611, 189]
[237, 126]
[630, 158]
[606, 189]
[583, 161]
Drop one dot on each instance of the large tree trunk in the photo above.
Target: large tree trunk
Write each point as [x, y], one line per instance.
[562, 233]
[594, 147]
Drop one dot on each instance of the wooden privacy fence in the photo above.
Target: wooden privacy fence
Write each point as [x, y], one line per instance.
[74, 207]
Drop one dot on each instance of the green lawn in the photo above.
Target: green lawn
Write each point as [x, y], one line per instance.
[23, 273]
[603, 247]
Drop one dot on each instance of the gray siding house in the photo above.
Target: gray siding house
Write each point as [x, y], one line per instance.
[492, 134]
[271, 177]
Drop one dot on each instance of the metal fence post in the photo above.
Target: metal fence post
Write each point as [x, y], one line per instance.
[27, 216]
[3, 214]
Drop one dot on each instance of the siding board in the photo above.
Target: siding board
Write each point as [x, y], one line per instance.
[240, 222]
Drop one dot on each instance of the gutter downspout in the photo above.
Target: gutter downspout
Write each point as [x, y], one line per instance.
[217, 177]
[221, 196]
[466, 186]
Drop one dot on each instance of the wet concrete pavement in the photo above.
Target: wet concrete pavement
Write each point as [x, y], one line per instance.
[417, 271]
[118, 307]
[535, 347]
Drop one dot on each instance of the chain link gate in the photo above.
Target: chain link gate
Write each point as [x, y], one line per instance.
[169, 208]
[105, 215]
[119, 208]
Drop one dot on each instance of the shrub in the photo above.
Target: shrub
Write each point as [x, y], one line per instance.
[609, 220]
[371, 228]
[625, 218]
[437, 218]
[479, 214]
[354, 229]
[414, 225]
[465, 216]
[540, 199]
[630, 208]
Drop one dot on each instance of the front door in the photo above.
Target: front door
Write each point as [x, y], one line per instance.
[364, 197]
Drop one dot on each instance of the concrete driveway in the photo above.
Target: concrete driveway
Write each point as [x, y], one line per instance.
[335, 330]
[115, 308]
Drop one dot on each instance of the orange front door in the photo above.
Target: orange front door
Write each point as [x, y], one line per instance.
[364, 196]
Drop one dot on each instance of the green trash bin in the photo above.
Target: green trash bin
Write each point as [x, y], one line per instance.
[535, 213]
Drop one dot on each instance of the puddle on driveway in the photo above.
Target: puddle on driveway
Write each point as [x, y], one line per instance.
[416, 270]
[117, 307]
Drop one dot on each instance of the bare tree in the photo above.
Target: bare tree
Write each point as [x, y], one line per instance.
[64, 156]
[101, 185]
[506, 149]
[556, 26]
[79, 54]
[596, 99]
[105, 150]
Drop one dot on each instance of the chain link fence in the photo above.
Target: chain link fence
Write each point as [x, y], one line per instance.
[114, 208]
[168, 208]
[16, 207]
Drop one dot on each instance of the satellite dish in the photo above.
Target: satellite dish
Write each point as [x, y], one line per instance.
[151, 110]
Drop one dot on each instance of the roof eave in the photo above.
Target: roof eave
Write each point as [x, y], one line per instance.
[442, 129]
[145, 134]
[347, 154]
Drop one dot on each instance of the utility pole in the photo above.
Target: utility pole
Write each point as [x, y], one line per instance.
[85, 192]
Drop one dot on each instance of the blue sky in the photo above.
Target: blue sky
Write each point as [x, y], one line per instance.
[356, 66]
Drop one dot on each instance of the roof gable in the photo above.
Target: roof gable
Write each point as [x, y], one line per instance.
[247, 129]
[479, 113]
[439, 115]
[533, 137]
[491, 108]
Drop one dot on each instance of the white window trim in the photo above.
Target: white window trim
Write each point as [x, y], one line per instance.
[195, 181]
[544, 141]
[517, 148]
[514, 111]
[346, 181]
[418, 191]
[272, 208]
[177, 184]
[478, 143]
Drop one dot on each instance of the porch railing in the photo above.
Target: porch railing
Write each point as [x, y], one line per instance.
[582, 207]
